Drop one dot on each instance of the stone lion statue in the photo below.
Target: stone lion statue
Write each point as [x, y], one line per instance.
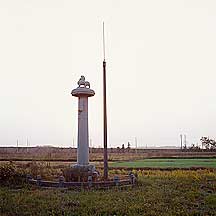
[83, 83]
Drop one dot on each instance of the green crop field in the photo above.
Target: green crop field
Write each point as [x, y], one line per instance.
[162, 163]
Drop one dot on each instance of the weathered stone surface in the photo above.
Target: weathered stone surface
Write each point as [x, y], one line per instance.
[82, 170]
[82, 92]
[80, 173]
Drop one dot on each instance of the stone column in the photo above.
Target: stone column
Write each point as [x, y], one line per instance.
[83, 91]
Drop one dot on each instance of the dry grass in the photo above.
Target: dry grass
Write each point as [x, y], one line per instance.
[69, 154]
[157, 193]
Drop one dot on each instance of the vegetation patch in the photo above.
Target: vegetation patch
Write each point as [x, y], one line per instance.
[175, 192]
[180, 163]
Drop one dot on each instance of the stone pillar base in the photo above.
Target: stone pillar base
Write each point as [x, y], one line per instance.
[80, 173]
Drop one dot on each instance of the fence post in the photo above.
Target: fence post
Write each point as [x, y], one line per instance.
[116, 180]
[39, 180]
[90, 181]
[61, 181]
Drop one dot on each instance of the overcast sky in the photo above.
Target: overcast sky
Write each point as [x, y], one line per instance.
[161, 70]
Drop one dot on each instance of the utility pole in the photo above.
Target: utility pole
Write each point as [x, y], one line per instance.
[73, 143]
[136, 145]
[17, 146]
[185, 141]
[105, 112]
[27, 144]
[90, 145]
[181, 140]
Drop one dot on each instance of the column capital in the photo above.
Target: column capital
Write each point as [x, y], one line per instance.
[82, 91]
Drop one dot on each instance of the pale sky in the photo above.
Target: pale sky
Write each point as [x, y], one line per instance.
[161, 70]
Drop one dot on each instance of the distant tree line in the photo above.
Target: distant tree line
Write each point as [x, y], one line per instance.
[207, 144]
[123, 149]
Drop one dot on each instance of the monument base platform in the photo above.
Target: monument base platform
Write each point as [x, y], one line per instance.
[81, 173]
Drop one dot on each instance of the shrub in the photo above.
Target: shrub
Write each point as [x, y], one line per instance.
[10, 175]
[44, 170]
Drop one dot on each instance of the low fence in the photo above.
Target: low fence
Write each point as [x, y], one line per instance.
[116, 182]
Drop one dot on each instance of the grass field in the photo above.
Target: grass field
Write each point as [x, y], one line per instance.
[162, 163]
[157, 193]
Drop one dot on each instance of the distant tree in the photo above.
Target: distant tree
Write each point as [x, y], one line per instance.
[118, 149]
[205, 142]
[194, 147]
[209, 144]
[111, 150]
[123, 147]
[128, 147]
[213, 145]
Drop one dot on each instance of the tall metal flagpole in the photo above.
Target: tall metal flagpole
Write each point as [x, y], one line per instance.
[105, 112]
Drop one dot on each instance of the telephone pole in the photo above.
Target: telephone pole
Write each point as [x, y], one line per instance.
[105, 112]
[135, 144]
[73, 143]
[27, 144]
[181, 140]
[90, 145]
[185, 141]
[17, 146]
